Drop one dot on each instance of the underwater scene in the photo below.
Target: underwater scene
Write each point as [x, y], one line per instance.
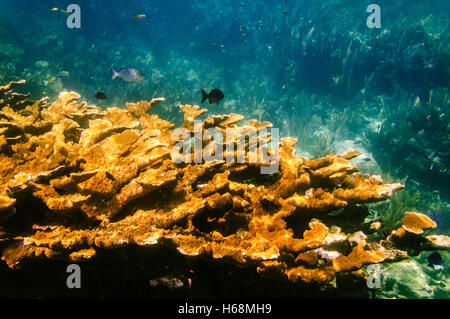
[225, 149]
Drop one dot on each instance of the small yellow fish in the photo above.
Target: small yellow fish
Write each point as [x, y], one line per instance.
[63, 11]
[139, 16]
[49, 81]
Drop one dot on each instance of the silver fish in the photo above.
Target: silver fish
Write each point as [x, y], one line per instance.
[128, 74]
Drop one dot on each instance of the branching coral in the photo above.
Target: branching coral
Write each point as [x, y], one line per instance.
[106, 179]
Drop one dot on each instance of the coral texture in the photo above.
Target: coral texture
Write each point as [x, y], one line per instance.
[106, 179]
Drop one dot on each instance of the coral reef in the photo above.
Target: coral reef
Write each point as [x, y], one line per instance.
[76, 178]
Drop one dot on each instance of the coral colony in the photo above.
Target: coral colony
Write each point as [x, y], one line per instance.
[111, 173]
[193, 146]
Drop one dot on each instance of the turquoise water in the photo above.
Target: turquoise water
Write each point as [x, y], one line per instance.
[312, 68]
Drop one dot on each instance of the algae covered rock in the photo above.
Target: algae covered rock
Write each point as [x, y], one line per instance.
[414, 279]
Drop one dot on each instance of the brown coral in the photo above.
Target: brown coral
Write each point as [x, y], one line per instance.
[416, 223]
[409, 235]
[110, 173]
[357, 258]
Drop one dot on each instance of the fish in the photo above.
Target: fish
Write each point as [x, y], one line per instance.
[139, 16]
[128, 75]
[63, 11]
[100, 96]
[310, 32]
[435, 259]
[49, 81]
[214, 97]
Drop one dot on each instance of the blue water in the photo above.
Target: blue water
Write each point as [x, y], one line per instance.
[252, 51]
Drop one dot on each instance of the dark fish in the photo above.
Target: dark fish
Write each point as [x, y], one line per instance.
[128, 74]
[214, 97]
[100, 96]
[435, 259]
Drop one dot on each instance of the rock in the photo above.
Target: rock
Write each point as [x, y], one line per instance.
[365, 162]
[413, 279]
